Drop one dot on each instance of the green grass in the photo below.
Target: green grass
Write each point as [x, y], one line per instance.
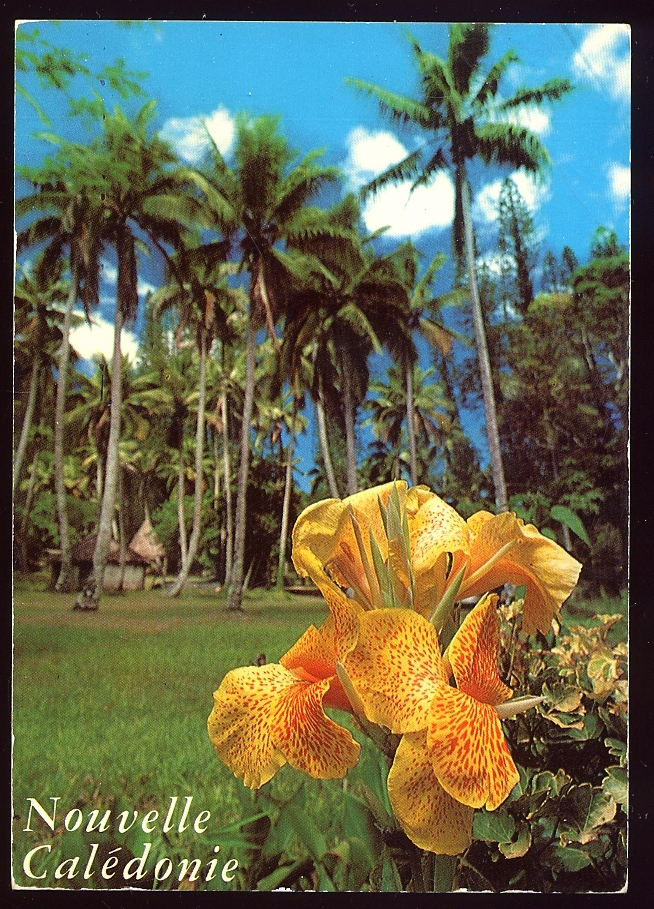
[113, 705]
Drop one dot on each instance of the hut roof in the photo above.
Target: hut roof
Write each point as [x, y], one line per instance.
[146, 544]
[83, 550]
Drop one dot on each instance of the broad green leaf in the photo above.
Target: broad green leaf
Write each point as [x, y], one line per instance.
[617, 749]
[493, 827]
[566, 858]
[520, 845]
[566, 516]
[585, 808]
[615, 783]
[591, 729]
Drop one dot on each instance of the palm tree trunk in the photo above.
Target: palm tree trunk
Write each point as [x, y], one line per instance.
[65, 579]
[234, 597]
[199, 475]
[112, 466]
[411, 428]
[350, 441]
[27, 421]
[181, 512]
[227, 470]
[121, 529]
[24, 561]
[324, 444]
[490, 411]
[288, 486]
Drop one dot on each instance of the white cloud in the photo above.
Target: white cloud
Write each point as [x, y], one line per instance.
[188, 135]
[371, 154]
[409, 213]
[604, 59]
[532, 118]
[620, 181]
[395, 206]
[534, 193]
[98, 338]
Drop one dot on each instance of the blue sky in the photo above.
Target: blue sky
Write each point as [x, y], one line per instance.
[210, 71]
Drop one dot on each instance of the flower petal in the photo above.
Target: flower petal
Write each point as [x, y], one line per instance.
[308, 738]
[473, 651]
[239, 725]
[468, 750]
[429, 816]
[436, 528]
[315, 656]
[546, 569]
[396, 667]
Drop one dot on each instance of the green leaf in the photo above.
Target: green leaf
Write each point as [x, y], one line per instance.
[617, 749]
[390, 876]
[585, 808]
[592, 729]
[493, 827]
[615, 783]
[566, 858]
[566, 516]
[306, 829]
[518, 846]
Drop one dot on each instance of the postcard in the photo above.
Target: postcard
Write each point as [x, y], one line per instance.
[320, 464]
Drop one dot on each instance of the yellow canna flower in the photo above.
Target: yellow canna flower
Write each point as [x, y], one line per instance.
[492, 550]
[334, 542]
[395, 546]
[453, 756]
[266, 716]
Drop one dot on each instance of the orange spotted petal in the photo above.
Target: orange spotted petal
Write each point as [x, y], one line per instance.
[315, 656]
[396, 667]
[546, 569]
[436, 528]
[239, 724]
[429, 816]
[468, 750]
[472, 654]
[307, 737]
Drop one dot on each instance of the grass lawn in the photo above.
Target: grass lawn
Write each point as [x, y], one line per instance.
[111, 707]
[110, 711]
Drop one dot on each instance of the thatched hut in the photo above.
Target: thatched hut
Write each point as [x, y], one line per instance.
[144, 551]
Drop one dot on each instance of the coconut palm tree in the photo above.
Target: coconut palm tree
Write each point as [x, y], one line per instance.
[36, 335]
[144, 195]
[70, 226]
[353, 302]
[429, 411]
[460, 107]
[264, 196]
[202, 298]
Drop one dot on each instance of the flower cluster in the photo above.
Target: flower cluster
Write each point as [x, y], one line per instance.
[391, 562]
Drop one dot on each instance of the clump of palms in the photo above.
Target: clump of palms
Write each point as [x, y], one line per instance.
[462, 111]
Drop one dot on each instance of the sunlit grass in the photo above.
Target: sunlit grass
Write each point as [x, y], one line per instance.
[114, 704]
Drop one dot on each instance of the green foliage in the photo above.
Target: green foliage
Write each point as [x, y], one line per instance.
[563, 827]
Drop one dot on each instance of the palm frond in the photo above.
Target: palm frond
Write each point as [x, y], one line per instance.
[552, 90]
[516, 146]
[469, 43]
[490, 84]
[400, 108]
[437, 162]
[403, 170]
